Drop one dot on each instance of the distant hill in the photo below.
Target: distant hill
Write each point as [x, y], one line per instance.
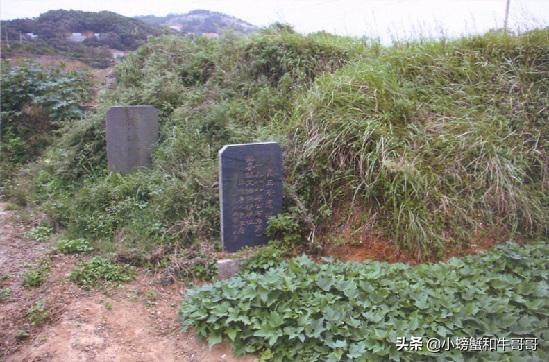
[98, 28]
[200, 22]
[94, 38]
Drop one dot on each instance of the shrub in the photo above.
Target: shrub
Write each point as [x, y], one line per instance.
[205, 271]
[304, 311]
[35, 102]
[100, 270]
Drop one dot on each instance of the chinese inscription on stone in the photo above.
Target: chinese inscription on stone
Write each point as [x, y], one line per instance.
[250, 191]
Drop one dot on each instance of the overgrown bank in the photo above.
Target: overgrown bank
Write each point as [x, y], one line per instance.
[431, 144]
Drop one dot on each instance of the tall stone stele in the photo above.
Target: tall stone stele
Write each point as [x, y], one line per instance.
[132, 133]
[250, 191]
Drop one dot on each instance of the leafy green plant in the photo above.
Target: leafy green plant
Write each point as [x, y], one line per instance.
[35, 102]
[286, 228]
[74, 246]
[36, 276]
[39, 233]
[265, 258]
[100, 270]
[37, 314]
[205, 270]
[307, 311]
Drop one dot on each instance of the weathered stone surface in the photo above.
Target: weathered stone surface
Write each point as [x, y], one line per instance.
[132, 132]
[227, 268]
[250, 191]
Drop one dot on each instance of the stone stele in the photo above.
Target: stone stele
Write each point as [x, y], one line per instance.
[250, 191]
[132, 133]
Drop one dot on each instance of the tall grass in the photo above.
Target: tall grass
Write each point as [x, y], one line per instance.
[435, 142]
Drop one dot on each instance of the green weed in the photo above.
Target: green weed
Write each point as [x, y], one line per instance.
[37, 314]
[151, 298]
[265, 258]
[108, 306]
[40, 233]
[99, 270]
[74, 246]
[5, 294]
[36, 276]
[21, 335]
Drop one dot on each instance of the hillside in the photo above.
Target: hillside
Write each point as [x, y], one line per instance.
[414, 144]
[80, 35]
[116, 31]
[199, 22]
[415, 153]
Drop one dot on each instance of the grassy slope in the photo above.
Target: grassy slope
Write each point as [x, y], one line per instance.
[435, 142]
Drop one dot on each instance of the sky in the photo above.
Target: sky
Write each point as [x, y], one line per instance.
[386, 20]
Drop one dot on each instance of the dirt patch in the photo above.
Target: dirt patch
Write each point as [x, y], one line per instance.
[369, 249]
[357, 241]
[133, 322]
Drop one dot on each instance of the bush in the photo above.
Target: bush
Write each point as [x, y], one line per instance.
[286, 228]
[304, 311]
[35, 103]
[418, 138]
[99, 270]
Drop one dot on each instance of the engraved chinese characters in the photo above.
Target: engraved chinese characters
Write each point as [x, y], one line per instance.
[250, 191]
[132, 132]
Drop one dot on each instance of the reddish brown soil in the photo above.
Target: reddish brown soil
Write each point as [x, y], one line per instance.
[370, 249]
[382, 250]
[134, 322]
[358, 242]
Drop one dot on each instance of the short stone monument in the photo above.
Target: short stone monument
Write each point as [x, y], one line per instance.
[227, 268]
[132, 132]
[250, 191]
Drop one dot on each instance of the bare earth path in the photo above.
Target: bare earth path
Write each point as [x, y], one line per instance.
[135, 322]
